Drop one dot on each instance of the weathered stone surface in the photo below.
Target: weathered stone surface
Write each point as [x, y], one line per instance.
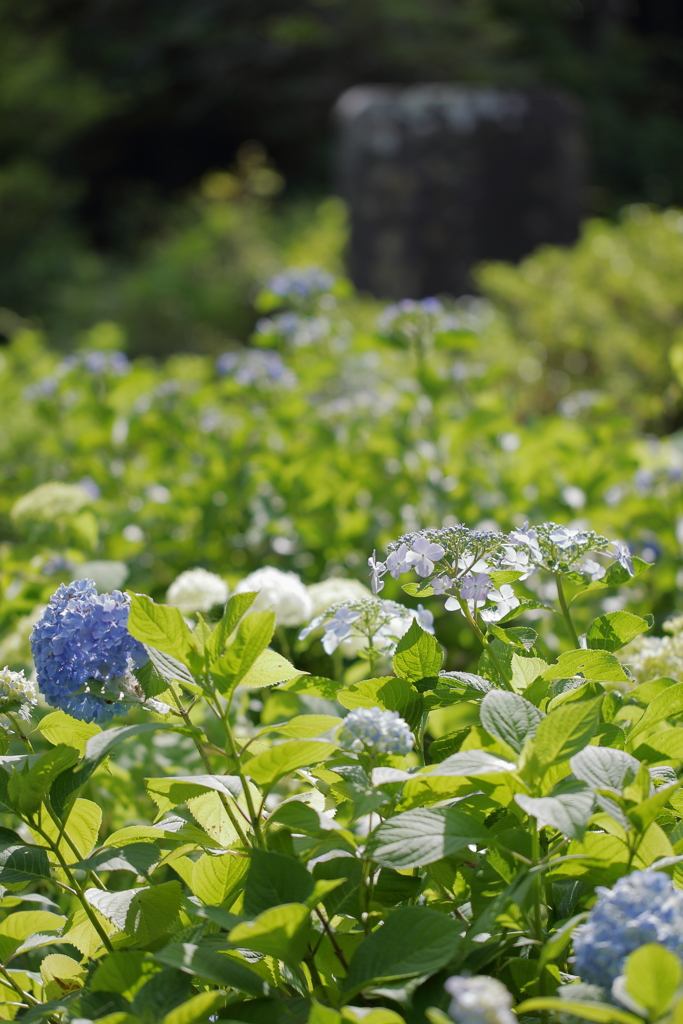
[439, 177]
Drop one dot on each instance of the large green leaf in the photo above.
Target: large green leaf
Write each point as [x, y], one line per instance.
[664, 705]
[604, 767]
[386, 692]
[651, 977]
[159, 626]
[253, 636]
[218, 879]
[469, 762]
[567, 810]
[268, 669]
[593, 665]
[235, 608]
[274, 879]
[282, 932]
[562, 734]
[413, 941]
[599, 1013]
[266, 768]
[614, 630]
[58, 727]
[143, 913]
[509, 717]
[26, 789]
[207, 960]
[21, 864]
[418, 654]
[424, 835]
[170, 792]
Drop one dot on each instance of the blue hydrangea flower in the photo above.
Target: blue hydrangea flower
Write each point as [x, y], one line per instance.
[297, 284]
[83, 652]
[376, 732]
[641, 907]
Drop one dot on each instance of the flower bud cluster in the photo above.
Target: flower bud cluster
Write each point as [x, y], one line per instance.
[641, 907]
[17, 694]
[373, 731]
[479, 1000]
[377, 623]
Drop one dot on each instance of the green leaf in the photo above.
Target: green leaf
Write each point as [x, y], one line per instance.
[274, 879]
[160, 670]
[58, 727]
[567, 811]
[562, 733]
[253, 636]
[159, 626]
[268, 669]
[616, 576]
[600, 1013]
[217, 880]
[171, 791]
[124, 971]
[196, 1009]
[604, 767]
[207, 960]
[509, 717]
[424, 835]
[414, 941]
[236, 607]
[27, 789]
[469, 762]
[593, 665]
[665, 705]
[418, 654]
[266, 768]
[644, 813]
[282, 932]
[614, 630]
[524, 670]
[21, 864]
[387, 693]
[518, 636]
[652, 976]
[305, 727]
[144, 913]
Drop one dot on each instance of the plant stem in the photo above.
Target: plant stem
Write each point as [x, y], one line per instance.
[536, 856]
[255, 823]
[565, 611]
[333, 939]
[207, 764]
[76, 888]
[20, 733]
[485, 644]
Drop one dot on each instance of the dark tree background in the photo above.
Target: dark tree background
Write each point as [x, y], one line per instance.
[109, 108]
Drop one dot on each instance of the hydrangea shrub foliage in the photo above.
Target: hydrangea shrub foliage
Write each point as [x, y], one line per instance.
[391, 842]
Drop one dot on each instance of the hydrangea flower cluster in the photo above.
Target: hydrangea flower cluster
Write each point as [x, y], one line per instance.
[17, 694]
[411, 319]
[335, 590]
[280, 592]
[458, 559]
[255, 367]
[656, 657]
[95, 361]
[641, 907]
[479, 1000]
[373, 731]
[292, 329]
[367, 623]
[300, 285]
[84, 654]
[197, 590]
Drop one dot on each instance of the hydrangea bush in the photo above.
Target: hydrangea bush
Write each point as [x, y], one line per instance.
[388, 841]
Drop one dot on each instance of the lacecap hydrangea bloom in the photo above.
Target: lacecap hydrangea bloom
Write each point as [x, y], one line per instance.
[17, 694]
[368, 622]
[641, 907]
[84, 654]
[374, 731]
[197, 590]
[280, 592]
[479, 1000]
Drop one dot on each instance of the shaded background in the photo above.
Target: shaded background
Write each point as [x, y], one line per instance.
[111, 111]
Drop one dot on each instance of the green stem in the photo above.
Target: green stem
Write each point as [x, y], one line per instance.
[25, 997]
[207, 764]
[76, 888]
[485, 644]
[536, 857]
[18, 730]
[339, 953]
[565, 611]
[284, 642]
[255, 818]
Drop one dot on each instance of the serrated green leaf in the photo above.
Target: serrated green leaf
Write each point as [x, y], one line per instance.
[58, 727]
[217, 880]
[414, 941]
[604, 767]
[269, 669]
[387, 693]
[159, 626]
[266, 768]
[21, 864]
[143, 914]
[422, 836]
[282, 932]
[207, 960]
[593, 665]
[27, 789]
[652, 977]
[562, 734]
[253, 636]
[612, 631]
[274, 879]
[196, 1009]
[509, 717]
[567, 811]
[171, 791]
[237, 606]
[600, 1013]
[418, 654]
[667, 704]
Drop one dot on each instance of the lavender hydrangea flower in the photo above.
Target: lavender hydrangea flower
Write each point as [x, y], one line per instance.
[641, 907]
[368, 622]
[84, 654]
[479, 1000]
[374, 731]
[300, 284]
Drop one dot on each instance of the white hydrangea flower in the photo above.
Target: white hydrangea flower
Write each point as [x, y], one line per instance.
[18, 694]
[197, 590]
[376, 731]
[479, 1000]
[280, 592]
[335, 591]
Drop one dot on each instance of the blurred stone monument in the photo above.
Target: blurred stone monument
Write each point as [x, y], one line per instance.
[440, 177]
